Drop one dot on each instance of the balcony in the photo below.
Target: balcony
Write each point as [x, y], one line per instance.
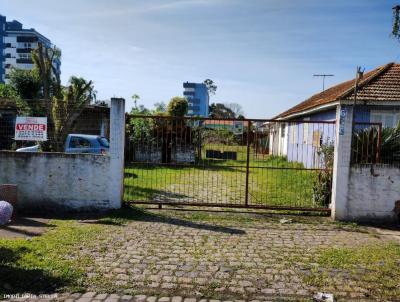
[24, 50]
[27, 39]
[24, 61]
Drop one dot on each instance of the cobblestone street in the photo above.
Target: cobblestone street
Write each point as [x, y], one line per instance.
[222, 257]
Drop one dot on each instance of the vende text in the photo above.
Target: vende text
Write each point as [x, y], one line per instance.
[31, 127]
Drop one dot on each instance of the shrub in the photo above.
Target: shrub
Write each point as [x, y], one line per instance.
[322, 188]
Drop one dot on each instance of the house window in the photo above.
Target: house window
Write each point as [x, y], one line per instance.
[389, 119]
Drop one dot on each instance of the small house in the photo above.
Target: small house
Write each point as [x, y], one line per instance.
[304, 128]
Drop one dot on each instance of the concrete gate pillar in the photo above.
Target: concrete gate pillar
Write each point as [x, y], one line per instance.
[117, 146]
[341, 163]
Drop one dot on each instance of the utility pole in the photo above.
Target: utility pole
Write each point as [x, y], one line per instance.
[323, 78]
[359, 75]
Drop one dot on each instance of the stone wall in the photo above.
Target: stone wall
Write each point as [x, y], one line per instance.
[58, 181]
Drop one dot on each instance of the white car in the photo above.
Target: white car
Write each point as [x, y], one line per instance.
[29, 149]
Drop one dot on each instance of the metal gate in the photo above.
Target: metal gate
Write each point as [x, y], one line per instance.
[250, 163]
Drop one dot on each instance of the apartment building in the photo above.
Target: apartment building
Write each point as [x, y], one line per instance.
[16, 45]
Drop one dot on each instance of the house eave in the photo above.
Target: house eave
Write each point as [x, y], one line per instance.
[310, 111]
[370, 103]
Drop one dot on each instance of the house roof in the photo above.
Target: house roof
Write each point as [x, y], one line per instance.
[378, 85]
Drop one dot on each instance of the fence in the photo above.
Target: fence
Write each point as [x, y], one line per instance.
[374, 144]
[229, 162]
[60, 121]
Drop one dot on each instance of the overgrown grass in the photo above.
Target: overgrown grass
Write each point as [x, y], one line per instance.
[272, 181]
[49, 262]
[373, 267]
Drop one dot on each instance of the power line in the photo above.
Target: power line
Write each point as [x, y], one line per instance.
[323, 78]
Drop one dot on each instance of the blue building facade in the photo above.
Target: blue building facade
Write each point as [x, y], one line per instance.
[198, 98]
[16, 45]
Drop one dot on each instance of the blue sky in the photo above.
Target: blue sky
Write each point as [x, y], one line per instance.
[261, 53]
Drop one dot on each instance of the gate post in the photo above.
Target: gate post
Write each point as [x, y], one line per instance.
[117, 145]
[341, 163]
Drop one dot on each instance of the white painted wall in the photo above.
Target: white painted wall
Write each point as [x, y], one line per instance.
[372, 193]
[341, 163]
[58, 181]
[117, 147]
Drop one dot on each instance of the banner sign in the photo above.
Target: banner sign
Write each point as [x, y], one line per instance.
[238, 127]
[31, 128]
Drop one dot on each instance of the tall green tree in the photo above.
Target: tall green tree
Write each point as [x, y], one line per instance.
[219, 110]
[211, 86]
[45, 61]
[77, 95]
[178, 106]
[396, 22]
[236, 109]
[135, 99]
[26, 83]
[160, 107]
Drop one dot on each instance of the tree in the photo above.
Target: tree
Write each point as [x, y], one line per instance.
[135, 98]
[8, 92]
[62, 105]
[236, 109]
[160, 107]
[66, 110]
[396, 22]
[45, 61]
[178, 106]
[218, 110]
[26, 83]
[211, 86]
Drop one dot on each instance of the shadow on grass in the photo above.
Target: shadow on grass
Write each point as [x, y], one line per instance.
[139, 193]
[213, 165]
[128, 213]
[25, 226]
[15, 279]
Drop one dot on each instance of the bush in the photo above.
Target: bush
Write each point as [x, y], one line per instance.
[367, 149]
[322, 188]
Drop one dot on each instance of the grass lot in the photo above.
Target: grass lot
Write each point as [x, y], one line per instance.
[48, 262]
[371, 264]
[272, 181]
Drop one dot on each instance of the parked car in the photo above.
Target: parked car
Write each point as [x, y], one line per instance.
[79, 143]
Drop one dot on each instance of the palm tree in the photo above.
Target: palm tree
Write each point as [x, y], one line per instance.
[66, 110]
[135, 98]
[370, 146]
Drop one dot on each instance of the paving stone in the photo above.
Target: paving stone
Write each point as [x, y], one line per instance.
[230, 259]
